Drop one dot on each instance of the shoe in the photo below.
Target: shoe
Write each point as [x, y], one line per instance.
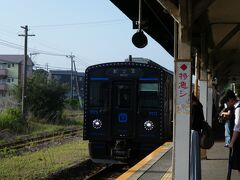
[226, 145]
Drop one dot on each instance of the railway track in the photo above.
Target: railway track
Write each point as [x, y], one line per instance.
[43, 138]
[87, 170]
[78, 171]
[109, 172]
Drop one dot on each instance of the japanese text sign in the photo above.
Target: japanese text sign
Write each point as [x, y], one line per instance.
[183, 86]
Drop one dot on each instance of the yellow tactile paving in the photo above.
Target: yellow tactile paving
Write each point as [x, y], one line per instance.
[144, 161]
[167, 175]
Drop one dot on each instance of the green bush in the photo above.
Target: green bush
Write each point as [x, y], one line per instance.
[72, 103]
[45, 96]
[11, 119]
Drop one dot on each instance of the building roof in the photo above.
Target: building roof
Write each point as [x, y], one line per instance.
[156, 22]
[214, 27]
[14, 59]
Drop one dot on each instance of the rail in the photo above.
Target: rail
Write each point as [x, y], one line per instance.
[110, 171]
[40, 139]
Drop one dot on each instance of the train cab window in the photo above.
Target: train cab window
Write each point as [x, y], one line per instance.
[98, 94]
[149, 95]
[122, 96]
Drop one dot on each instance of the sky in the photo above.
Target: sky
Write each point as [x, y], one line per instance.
[94, 31]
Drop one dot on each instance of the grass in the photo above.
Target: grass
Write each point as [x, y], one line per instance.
[37, 127]
[42, 163]
[11, 119]
[34, 129]
[72, 118]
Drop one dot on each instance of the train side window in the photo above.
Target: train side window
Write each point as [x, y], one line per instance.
[149, 95]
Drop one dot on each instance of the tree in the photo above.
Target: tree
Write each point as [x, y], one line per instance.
[45, 96]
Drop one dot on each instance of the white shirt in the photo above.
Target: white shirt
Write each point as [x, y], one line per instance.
[237, 117]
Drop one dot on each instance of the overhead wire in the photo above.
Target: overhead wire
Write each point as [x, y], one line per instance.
[17, 46]
[79, 23]
[33, 50]
[49, 67]
[54, 48]
[86, 64]
[10, 44]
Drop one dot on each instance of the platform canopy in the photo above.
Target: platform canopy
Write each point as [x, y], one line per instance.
[215, 26]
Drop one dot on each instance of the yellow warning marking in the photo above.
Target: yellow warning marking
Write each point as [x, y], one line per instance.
[167, 175]
[144, 161]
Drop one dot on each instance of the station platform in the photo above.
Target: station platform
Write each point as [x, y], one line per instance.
[158, 165]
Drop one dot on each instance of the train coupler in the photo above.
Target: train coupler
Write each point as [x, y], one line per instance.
[121, 151]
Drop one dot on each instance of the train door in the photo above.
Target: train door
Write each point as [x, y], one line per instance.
[123, 109]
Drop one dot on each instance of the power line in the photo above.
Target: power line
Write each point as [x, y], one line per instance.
[46, 44]
[17, 46]
[10, 44]
[82, 62]
[81, 23]
[51, 67]
[33, 50]
[57, 68]
[45, 52]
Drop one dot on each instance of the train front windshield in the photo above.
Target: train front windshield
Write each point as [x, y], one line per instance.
[123, 95]
[98, 94]
[149, 95]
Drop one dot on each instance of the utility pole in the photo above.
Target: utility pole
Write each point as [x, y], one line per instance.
[32, 55]
[47, 67]
[24, 78]
[71, 57]
[77, 86]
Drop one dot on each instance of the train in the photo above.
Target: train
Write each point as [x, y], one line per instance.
[127, 109]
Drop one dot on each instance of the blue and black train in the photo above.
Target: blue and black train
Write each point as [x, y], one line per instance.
[127, 109]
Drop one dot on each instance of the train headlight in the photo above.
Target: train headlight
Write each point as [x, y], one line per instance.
[97, 123]
[148, 125]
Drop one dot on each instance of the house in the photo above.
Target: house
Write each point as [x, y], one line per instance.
[64, 76]
[11, 73]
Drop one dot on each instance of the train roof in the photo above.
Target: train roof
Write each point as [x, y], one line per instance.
[134, 62]
[147, 61]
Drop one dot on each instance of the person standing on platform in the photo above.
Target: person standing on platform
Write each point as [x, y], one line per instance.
[234, 159]
[224, 118]
[197, 115]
